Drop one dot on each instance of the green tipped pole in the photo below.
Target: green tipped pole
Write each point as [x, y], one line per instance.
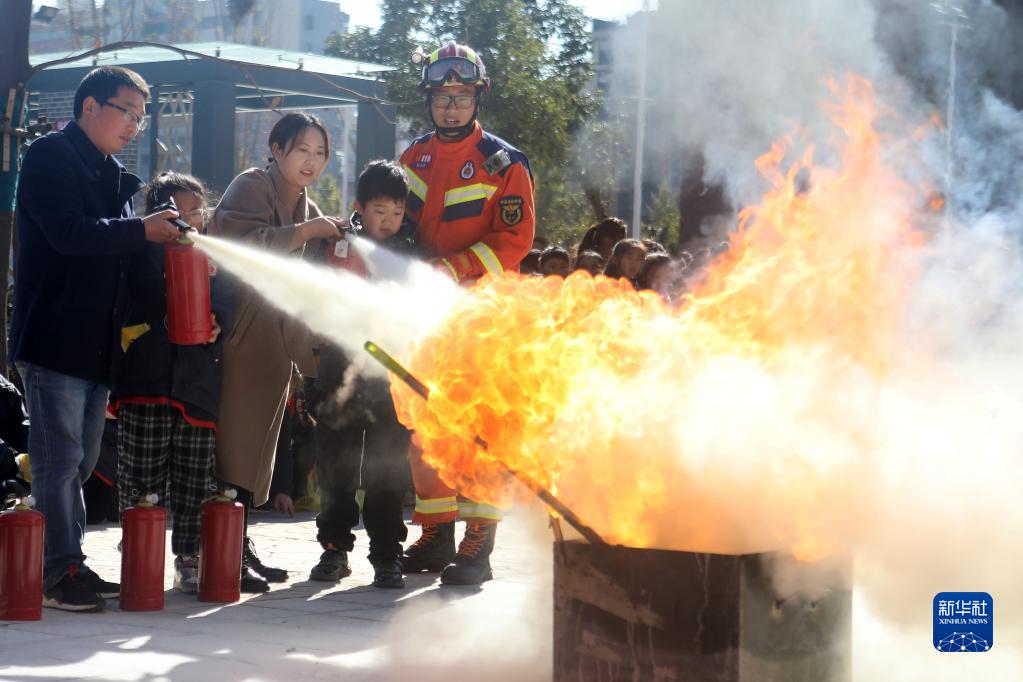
[395, 368]
[547, 496]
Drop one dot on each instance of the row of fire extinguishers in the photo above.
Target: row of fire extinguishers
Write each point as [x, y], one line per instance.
[187, 278]
[144, 536]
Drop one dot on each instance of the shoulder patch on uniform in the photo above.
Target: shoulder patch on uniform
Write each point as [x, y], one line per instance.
[511, 210]
[497, 162]
[503, 154]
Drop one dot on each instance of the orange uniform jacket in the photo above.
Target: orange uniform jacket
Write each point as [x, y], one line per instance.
[473, 200]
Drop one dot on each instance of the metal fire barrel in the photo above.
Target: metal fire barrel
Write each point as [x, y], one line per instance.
[622, 613]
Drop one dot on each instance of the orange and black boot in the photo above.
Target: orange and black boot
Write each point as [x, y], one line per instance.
[434, 549]
[472, 563]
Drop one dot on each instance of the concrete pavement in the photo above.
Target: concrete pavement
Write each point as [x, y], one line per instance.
[302, 630]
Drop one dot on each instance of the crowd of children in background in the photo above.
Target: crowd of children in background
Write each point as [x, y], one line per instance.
[605, 250]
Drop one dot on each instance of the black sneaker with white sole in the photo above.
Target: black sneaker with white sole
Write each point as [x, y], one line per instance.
[72, 593]
[101, 587]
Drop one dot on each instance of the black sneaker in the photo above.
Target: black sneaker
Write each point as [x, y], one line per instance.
[387, 574]
[72, 593]
[332, 567]
[98, 585]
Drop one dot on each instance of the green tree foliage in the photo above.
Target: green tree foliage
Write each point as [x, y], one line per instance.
[327, 196]
[538, 58]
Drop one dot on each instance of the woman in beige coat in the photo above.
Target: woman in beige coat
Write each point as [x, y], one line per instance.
[270, 209]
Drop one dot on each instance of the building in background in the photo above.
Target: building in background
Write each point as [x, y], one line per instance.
[604, 36]
[295, 26]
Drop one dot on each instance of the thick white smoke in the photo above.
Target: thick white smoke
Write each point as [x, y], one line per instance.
[404, 300]
[932, 507]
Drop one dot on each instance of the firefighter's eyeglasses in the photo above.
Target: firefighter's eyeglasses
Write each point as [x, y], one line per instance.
[460, 101]
[129, 116]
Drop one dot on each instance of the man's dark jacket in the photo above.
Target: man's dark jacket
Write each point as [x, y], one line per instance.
[75, 220]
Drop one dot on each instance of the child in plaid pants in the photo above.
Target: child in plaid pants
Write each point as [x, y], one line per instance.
[166, 396]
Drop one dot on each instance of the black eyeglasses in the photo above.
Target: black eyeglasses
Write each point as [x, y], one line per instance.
[460, 101]
[129, 116]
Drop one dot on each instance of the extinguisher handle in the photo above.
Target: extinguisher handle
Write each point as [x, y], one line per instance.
[176, 222]
[227, 495]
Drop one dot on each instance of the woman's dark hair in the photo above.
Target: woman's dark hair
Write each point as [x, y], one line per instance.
[165, 184]
[290, 127]
[613, 268]
[586, 243]
[381, 180]
[608, 228]
[650, 264]
[103, 83]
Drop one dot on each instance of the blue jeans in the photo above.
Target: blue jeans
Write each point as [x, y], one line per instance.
[65, 429]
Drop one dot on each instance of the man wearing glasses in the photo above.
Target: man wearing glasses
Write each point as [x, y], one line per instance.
[75, 221]
[472, 195]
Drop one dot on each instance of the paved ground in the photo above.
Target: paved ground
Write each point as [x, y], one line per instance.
[303, 631]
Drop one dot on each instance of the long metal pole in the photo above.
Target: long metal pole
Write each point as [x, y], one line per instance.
[637, 171]
[545, 495]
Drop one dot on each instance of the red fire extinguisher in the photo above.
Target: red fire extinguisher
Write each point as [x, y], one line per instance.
[187, 275]
[21, 562]
[144, 531]
[220, 548]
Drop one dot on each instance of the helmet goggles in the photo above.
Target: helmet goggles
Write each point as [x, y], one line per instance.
[464, 72]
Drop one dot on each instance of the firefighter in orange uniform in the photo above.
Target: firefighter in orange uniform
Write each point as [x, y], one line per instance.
[472, 195]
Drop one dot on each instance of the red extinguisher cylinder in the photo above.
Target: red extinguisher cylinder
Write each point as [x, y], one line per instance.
[220, 550]
[144, 534]
[21, 563]
[187, 276]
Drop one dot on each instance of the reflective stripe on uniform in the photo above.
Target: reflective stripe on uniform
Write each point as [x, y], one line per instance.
[415, 183]
[437, 505]
[478, 510]
[468, 193]
[454, 273]
[487, 257]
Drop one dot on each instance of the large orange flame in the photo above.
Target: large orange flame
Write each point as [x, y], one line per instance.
[602, 394]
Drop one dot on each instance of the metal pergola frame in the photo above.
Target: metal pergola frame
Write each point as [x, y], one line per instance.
[227, 78]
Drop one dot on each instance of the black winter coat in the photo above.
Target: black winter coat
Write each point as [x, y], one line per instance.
[150, 365]
[74, 222]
